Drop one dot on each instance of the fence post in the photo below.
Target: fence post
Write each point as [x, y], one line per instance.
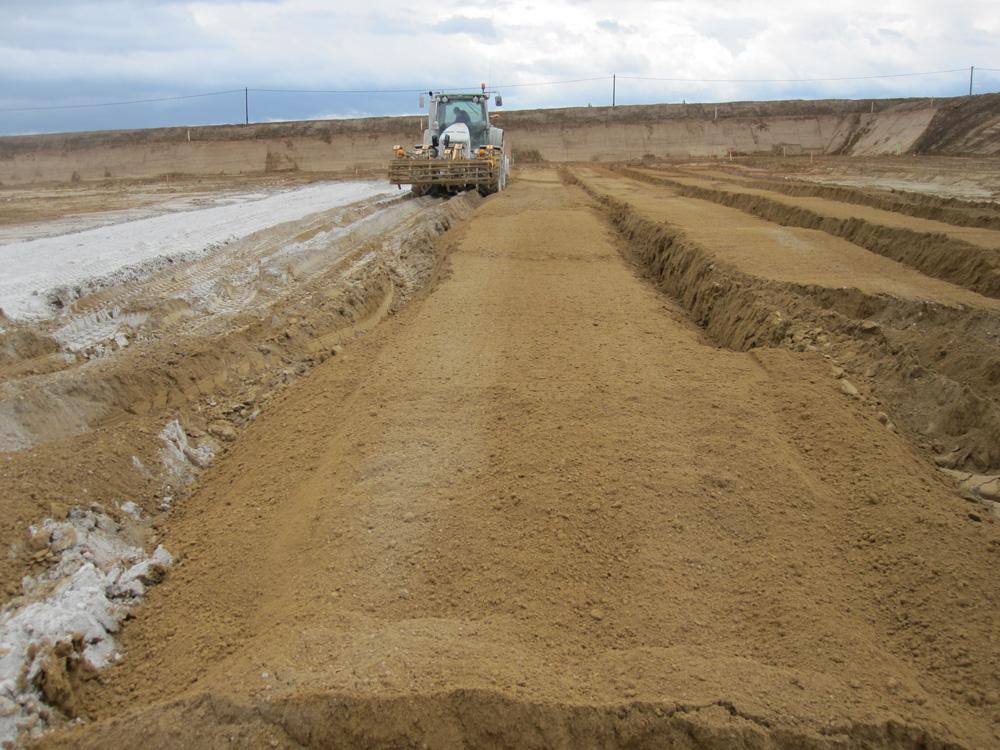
[246, 104]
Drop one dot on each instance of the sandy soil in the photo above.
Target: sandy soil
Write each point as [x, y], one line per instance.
[54, 205]
[965, 126]
[619, 465]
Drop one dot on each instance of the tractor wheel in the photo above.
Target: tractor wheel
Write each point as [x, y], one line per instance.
[493, 187]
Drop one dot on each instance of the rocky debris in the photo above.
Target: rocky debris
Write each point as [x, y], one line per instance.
[132, 509]
[223, 430]
[982, 488]
[62, 629]
[811, 340]
[847, 388]
[182, 460]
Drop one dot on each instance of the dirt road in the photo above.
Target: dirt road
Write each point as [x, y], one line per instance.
[541, 507]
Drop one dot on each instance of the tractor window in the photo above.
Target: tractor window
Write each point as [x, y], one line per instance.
[466, 112]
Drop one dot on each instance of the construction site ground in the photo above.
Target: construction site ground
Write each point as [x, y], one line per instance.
[657, 455]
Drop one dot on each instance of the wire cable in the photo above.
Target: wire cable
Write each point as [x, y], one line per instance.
[424, 90]
[338, 91]
[794, 80]
[552, 83]
[494, 87]
[119, 104]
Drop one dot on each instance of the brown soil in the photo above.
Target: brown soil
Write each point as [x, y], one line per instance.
[967, 256]
[963, 126]
[633, 469]
[898, 187]
[87, 424]
[927, 349]
[47, 203]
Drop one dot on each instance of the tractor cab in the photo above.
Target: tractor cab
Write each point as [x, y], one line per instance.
[462, 118]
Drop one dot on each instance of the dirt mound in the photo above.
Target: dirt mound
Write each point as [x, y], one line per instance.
[17, 344]
[470, 718]
[960, 213]
[63, 672]
[26, 351]
[969, 125]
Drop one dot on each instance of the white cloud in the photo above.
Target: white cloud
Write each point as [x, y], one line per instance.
[49, 48]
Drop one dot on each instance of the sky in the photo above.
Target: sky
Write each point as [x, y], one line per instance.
[271, 60]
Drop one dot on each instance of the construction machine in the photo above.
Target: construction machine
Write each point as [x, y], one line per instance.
[461, 149]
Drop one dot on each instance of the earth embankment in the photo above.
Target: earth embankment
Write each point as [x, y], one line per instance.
[956, 126]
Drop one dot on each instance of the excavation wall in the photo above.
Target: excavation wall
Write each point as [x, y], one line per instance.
[959, 126]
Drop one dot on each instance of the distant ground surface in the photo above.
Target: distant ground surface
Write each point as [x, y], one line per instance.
[959, 126]
[66, 268]
[692, 454]
[943, 177]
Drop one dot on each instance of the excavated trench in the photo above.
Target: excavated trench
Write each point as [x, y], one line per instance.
[936, 255]
[934, 369]
[954, 211]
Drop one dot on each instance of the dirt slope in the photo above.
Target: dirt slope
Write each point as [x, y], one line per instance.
[835, 208]
[956, 126]
[539, 507]
[209, 340]
[963, 255]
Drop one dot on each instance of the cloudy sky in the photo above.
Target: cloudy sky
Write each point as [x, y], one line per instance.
[58, 58]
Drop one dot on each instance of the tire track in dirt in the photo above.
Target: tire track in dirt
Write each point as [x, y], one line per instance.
[97, 431]
[250, 268]
[538, 508]
[312, 304]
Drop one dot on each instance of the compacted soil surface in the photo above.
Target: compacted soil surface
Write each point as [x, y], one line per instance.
[648, 456]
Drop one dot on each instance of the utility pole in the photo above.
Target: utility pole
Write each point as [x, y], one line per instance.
[614, 88]
[971, 71]
[246, 104]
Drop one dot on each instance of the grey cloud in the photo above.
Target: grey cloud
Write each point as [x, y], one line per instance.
[893, 37]
[465, 25]
[890, 33]
[86, 28]
[733, 34]
[614, 27]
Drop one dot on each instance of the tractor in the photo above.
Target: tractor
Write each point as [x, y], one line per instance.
[461, 149]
